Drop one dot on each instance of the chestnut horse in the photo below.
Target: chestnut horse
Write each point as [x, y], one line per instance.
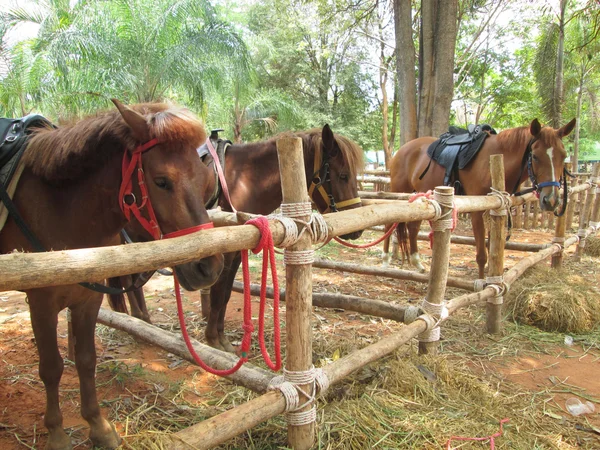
[252, 174]
[539, 148]
[75, 192]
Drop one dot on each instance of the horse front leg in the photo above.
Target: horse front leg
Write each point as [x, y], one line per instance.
[44, 320]
[83, 317]
[220, 294]
[479, 234]
[415, 257]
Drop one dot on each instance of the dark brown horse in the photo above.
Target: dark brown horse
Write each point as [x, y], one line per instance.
[547, 153]
[69, 197]
[252, 173]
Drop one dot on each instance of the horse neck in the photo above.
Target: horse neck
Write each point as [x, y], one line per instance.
[513, 156]
[84, 214]
[252, 174]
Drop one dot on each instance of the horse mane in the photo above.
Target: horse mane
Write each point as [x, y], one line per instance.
[513, 139]
[69, 153]
[351, 152]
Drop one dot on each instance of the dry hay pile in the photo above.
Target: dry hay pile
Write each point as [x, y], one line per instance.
[592, 246]
[565, 301]
[403, 401]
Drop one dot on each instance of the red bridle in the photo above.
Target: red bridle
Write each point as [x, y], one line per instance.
[131, 206]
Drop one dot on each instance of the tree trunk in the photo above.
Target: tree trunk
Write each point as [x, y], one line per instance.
[575, 159]
[426, 66]
[405, 66]
[558, 87]
[444, 46]
[383, 77]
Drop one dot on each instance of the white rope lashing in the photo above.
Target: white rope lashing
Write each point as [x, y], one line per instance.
[289, 384]
[505, 202]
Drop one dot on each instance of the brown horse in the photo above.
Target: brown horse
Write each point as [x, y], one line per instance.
[252, 174]
[69, 197]
[539, 148]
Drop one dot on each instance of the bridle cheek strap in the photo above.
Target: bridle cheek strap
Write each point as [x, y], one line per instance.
[349, 202]
[126, 191]
[129, 165]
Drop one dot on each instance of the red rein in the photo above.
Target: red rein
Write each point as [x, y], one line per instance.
[266, 245]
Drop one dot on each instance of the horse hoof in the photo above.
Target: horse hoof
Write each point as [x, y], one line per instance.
[58, 441]
[214, 343]
[105, 439]
[227, 345]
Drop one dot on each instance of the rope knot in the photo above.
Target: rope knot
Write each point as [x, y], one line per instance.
[262, 223]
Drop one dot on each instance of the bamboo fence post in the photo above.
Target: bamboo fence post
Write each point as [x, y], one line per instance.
[433, 303]
[519, 216]
[527, 216]
[559, 238]
[298, 277]
[559, 231]
[586, 211]
[574, 198]
[536, 214]
[498, 219]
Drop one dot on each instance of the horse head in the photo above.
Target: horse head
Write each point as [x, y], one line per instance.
[171, 185]
[547, 167]
[336, 162]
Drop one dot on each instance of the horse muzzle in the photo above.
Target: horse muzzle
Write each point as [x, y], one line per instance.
[352, 236]
[549, 200]
[200, 274]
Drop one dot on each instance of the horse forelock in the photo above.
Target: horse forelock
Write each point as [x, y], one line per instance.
[351, 152]
[69, 153]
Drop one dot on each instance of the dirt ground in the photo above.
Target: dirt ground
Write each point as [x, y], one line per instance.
[566, 371]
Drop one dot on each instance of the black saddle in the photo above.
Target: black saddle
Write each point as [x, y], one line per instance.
[456, 148]
[220, 146]
[13, 139]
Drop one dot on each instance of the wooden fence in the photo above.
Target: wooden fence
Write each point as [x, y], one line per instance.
[25, 270]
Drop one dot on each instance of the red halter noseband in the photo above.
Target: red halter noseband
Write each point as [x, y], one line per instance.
[131, 206]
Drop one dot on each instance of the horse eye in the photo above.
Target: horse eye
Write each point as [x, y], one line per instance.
[162, 183]
[344, 176]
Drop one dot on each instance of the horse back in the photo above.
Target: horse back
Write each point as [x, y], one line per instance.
[409, 162]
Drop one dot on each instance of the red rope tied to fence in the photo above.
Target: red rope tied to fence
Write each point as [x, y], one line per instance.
[266, 242]
[267, 247]
[429, 195]
[490, 438]
[371, 244]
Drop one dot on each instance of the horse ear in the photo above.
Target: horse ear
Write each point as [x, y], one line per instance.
[328, 139]
[135, 120]
[566, 130]
[535, 128]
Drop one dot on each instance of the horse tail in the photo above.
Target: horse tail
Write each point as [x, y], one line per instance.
[117, 301]
[402, 233]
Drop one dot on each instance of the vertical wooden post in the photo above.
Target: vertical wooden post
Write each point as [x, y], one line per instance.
[519, 217]
[585, 214]
[497, 241]
[559, 238]
[551, 217]
[298, 279]
[440, 256]
[536, 214]
[573, 199]
[561, 226]
[527, 215]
